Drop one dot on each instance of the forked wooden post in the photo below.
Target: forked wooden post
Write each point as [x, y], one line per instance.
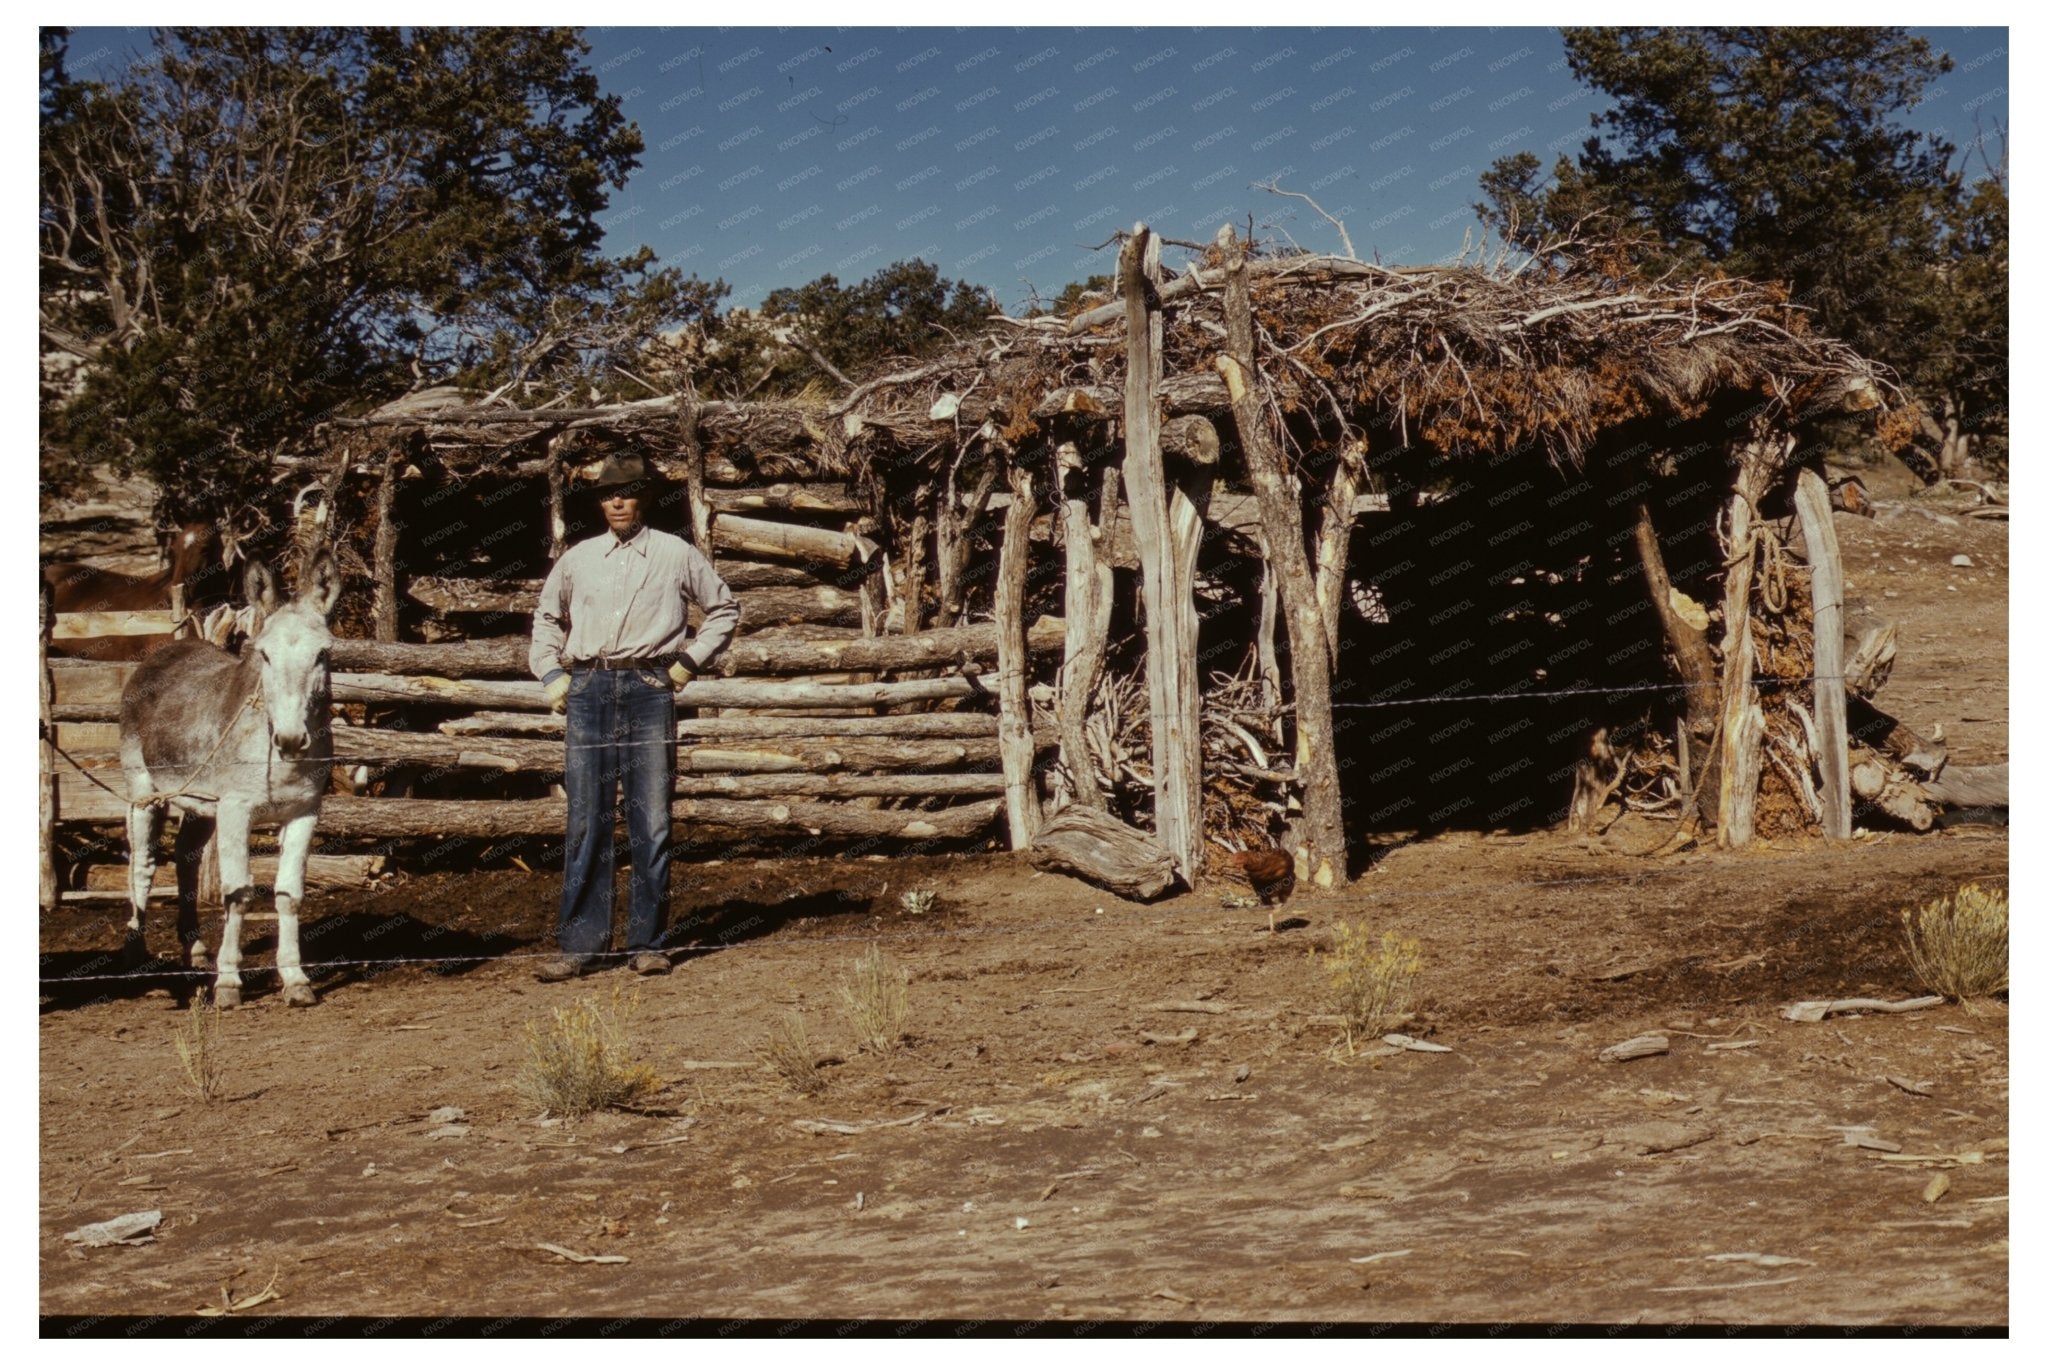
[693, 471]
[1090, 582]
[1013, 661]
[1320, 854]
[1830, 693]
[1157, 525]
[1742, 716]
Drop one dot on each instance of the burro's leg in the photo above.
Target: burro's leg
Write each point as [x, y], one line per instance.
[144, 823]
[193, 833]
[233, 836]
[293, 841]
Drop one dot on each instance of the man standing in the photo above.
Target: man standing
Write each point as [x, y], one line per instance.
[608, 647]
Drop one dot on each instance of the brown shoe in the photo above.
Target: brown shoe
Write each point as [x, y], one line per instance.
[649, 964]
[561, 967]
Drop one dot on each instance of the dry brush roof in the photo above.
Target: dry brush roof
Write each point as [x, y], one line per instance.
[1469, 360]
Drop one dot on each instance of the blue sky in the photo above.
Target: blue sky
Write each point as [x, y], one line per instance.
[1005, 155]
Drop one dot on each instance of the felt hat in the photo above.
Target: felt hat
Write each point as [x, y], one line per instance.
[620, 471]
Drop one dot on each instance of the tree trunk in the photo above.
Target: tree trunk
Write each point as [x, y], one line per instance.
[1161, 523]
[1013, 661]
[1320, 854]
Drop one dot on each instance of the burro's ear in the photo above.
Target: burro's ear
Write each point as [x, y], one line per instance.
[259, 584]
[321, 586]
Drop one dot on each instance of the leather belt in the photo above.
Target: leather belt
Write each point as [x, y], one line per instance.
[646, 665]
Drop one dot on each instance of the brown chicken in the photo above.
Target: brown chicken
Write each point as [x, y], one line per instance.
[1271, 873]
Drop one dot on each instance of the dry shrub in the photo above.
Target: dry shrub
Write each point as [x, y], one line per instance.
[789, 1054]
[1370, 987]
[197, 1040]
[919, 902]
[583, 1059]
[1958, 945]
[877, 1000]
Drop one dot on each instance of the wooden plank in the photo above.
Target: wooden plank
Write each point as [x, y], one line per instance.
[1830, 694]
[90, 625]
[80, 738]
[80, 800]
[87, 682]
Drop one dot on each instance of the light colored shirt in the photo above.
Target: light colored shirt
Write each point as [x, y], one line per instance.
[630, 600]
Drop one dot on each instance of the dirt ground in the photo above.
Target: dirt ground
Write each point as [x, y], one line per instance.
[1105, 1111]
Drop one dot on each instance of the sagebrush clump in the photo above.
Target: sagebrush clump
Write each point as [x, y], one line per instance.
[1370, 987]
[198, 1048]
[582, 1059]
[877, 999]
[788, 1053]
[1958, 945]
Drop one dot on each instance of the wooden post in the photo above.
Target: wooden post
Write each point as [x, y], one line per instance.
[384, 604]
[1690, 651]
[1830, 694]
[1320, 856]
[558, 522]
[47, 892]
[1742, 717]
[1333, 536]
[693, 469]
[910, 590]
[1090, 582]
[1161, 527]
[1013, 661]
[1268, 640]
[956, 525]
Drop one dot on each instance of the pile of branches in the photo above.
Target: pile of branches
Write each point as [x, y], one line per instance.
[1472, 360]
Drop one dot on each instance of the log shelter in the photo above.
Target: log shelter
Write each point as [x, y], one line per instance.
[1285, 549]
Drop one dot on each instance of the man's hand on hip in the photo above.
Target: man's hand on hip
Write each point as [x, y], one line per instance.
[557, 693]
[679, 674]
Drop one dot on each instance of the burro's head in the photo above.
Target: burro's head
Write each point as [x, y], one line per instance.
[291, 650]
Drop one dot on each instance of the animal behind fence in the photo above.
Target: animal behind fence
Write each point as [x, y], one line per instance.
[232, 743]
[192, 560]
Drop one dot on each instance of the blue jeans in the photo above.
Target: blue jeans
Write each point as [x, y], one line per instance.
[622, 731]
